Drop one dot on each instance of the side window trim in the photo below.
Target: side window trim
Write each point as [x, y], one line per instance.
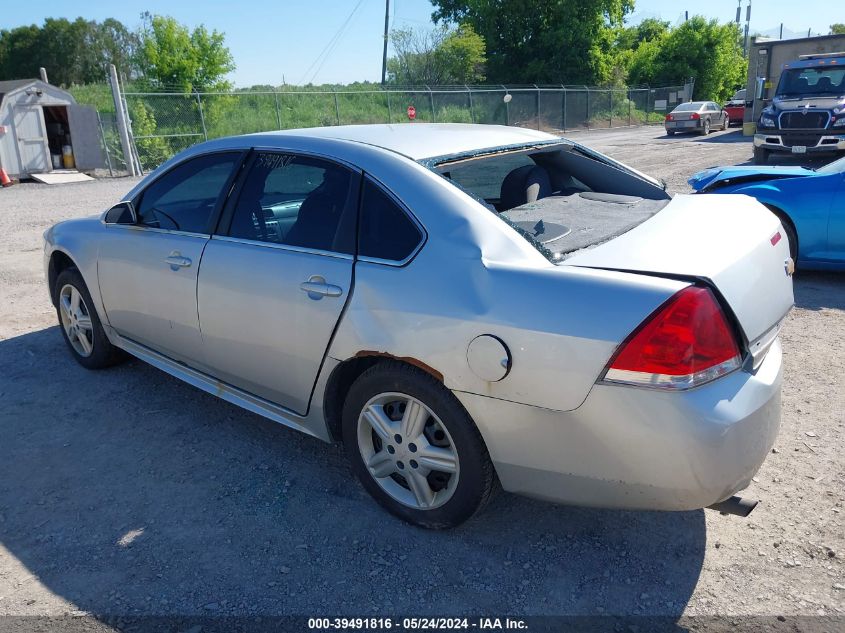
[219, 204]
[281, 247]
[227, 211]
[368, 178]
[224, 221]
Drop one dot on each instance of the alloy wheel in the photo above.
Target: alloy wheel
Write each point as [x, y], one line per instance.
[408, 451]
[76, 320]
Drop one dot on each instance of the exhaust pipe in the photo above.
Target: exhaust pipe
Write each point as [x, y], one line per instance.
[735, 505]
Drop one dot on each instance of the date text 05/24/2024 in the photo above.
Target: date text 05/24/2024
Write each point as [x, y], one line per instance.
[416, 624]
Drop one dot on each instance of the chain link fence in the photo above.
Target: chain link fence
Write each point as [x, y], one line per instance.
[163, 124]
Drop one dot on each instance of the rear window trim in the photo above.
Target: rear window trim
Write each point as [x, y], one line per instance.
[439, 164]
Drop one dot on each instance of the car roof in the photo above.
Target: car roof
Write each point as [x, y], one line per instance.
[421, 141]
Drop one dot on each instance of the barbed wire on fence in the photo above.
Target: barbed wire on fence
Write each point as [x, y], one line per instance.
[165, 123]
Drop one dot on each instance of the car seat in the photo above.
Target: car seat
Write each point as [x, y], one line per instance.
[824, 85]
[524, 184]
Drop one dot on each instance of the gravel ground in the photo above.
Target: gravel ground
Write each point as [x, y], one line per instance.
[127, 492]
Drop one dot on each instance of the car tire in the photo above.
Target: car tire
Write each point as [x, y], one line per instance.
[705, 130]
[414, 447]
[80, 324]
[727, 123]
[670, 132]
[761, 156]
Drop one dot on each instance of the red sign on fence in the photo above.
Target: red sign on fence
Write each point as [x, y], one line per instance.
[412, 113]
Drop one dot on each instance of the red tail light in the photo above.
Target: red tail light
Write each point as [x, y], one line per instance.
[684, 343]
[695, 116]
[669, 117]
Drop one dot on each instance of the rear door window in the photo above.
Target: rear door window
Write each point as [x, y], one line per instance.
[386, 231]
[297, 201]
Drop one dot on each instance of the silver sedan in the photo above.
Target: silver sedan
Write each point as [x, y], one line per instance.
[697, 116]
[457, 304]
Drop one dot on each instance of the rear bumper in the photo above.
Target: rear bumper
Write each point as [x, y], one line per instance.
[814, 142]
[638, 448]
[681, 126]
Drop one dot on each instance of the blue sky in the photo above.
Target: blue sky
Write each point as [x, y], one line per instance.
[272, 41]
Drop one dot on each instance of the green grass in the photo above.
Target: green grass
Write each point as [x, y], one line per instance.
[182, 120]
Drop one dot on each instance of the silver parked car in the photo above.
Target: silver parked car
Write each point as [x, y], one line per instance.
[697, 116]
[456, 303]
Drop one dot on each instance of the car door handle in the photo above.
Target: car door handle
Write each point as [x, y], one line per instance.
[317, 288]
[176, 261]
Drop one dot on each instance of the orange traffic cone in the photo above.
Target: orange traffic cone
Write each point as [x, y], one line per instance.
[4, 178]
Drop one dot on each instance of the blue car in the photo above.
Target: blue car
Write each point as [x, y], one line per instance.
[809, 202]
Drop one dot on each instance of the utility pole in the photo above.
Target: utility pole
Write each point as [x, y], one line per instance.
[747, 27]
[384, 50]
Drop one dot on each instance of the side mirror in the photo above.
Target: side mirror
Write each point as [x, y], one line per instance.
[122, 213]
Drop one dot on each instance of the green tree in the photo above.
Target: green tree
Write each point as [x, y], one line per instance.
[567, 41]
[706, 50]
[441, 56]
[64, 52]
[110, 42]
[169, 55]
[462, 55]
[152, 150]
[75, 52]
[629, 38]
[19, 52]
[626, 41]
[837, 29]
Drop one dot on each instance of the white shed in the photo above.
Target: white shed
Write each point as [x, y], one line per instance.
[38, 120]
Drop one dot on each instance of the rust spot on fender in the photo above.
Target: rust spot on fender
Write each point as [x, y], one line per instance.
[406, 359]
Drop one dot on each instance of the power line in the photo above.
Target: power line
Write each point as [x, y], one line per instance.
[330, 46]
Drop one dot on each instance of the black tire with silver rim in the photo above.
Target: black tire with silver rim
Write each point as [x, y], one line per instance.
[80, 324]
[76, 320]
[727, 123]
[706, 127]
[415, 448]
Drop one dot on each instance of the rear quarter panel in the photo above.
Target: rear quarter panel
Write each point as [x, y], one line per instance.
[560, 325]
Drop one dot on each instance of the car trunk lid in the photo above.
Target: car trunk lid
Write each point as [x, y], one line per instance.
[684, 115]
[732, 242]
